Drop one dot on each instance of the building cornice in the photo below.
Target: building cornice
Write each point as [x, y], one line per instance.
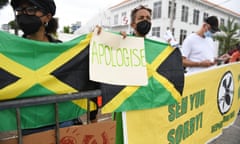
[204, 2]
[216, 6]
[120, 4]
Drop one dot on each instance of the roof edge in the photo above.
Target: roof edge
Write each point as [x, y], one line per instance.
[220, 7]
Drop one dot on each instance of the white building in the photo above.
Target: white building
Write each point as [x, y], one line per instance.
[188, 16]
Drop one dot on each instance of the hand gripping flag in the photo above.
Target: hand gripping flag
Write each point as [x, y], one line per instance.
[165, 82]
[30, 68]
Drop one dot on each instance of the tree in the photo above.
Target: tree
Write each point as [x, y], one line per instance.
[12, 24]
[3, 3]
[66, 29]
[230, 38]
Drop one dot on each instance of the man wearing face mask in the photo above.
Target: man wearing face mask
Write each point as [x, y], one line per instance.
[141, 25]
[141, 21]
[198, 48]
[35, 19]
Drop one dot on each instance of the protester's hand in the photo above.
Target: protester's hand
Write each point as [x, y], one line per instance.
[222, 59]
[124, 34]
[206, 63]
[99, 29]
[225, 57]
[169, 40]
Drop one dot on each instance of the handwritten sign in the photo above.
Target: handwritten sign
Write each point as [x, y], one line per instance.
[119, 61]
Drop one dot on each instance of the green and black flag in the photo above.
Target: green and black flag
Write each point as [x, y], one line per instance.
[31, 68]
[165, 82]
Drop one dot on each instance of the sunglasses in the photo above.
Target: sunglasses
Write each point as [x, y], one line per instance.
[27, 10]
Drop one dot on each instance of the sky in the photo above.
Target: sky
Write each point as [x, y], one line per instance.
[70, 11]
[231, 4]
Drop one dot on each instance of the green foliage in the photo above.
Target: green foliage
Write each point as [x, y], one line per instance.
[230, 38]
[3, 3]
[66, 29]
[12, 24]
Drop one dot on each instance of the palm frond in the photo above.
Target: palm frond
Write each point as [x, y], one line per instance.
[230, 38]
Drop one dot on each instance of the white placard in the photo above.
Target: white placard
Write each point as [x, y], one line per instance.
[170, 39]
[114, 60]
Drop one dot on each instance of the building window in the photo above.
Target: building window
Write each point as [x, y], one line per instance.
[205, 15]
[124, 14]
[157, 10]
[124, 18]
[170, 9]
[184, 17]
[115, 19]
[183, 35]
[156, 31]
[173, 31]
[196, 17]
[222, 22]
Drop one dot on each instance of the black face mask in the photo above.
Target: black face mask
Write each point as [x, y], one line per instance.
[29, 24]
[143, 27]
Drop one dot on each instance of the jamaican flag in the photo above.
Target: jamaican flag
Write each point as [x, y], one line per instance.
[31, 68]
[165, 82]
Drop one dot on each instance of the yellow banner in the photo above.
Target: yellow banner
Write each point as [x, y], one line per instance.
[211, 101]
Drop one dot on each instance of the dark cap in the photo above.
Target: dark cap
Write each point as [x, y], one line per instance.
[213, 22]
[47, 6]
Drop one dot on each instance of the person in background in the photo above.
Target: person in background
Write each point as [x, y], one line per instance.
[197, 48]
[235, 56]
[35, 19]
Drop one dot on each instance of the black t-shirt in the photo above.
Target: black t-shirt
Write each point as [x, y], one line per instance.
[50, 39]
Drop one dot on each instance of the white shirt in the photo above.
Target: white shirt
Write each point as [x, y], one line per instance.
[197, 49]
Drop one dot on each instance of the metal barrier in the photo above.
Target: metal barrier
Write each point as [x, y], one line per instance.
[18, 103]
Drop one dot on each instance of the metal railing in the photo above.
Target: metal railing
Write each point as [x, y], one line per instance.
[53, 99]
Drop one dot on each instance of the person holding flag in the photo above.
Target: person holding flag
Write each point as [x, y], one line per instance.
[141, 24]
[35, 19]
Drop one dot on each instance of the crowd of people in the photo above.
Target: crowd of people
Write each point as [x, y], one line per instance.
[35, 19]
